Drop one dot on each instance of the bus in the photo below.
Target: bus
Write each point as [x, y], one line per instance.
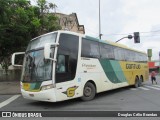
[63, 65]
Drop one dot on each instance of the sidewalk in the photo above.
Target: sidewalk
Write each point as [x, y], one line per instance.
[9, 88]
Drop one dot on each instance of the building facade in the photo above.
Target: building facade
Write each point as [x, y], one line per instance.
[70, 23]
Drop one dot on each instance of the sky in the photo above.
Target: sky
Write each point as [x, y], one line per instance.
[119, 18]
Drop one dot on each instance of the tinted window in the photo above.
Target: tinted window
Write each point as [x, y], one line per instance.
[106, 51]
[141, 57]
[119, 53]
[61, 66]
[130, 55]
[135, 56]
[67, 57]
[90, 49]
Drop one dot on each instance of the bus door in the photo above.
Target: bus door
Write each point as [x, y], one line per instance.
[66, 66]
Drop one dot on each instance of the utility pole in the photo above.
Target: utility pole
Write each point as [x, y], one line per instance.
[159, 62]
[100, 20]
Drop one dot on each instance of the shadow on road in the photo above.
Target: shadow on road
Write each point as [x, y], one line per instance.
[73, 102]
[62, 104]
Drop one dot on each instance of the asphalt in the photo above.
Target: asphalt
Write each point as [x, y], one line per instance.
[7, 88]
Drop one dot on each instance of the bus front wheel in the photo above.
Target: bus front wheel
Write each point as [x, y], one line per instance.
[89, 92]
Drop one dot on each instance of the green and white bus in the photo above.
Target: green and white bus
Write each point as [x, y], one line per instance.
[63, 65]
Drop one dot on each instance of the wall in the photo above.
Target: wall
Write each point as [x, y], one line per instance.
[13, 75]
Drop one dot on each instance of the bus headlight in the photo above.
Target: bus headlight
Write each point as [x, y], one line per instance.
[46, 87]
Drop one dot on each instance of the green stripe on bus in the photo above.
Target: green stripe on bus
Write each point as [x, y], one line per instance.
[35, 86]
[113, 70]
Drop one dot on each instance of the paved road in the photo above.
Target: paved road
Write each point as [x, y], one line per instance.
[146, 98]
[123, 99]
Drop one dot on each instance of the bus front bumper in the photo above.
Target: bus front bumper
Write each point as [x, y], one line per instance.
[45, 95]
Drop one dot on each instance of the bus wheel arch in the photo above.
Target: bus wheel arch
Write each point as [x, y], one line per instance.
[89, 91]
[136, 84]
[141, 77]
[140, 80]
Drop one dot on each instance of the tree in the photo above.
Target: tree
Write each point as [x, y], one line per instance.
[53, 6]
[14, 26]
[19, 23]
[49, 21]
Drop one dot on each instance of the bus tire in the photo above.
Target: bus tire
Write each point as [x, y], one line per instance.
[89, 92]
[136, 85]
[140, 81]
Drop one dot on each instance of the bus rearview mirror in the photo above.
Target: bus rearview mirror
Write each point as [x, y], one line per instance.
[13, 59]
[47, 50]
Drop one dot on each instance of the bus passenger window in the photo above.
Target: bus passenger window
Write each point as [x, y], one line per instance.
[61, 64]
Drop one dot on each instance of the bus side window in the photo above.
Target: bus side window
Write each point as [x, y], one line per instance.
[61, 64]
[107, 52]
[90, 49]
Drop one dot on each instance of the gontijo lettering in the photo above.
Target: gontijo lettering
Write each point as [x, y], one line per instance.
[133, 66]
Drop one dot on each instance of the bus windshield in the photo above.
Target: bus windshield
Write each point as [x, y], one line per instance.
[40, 41]
[36, 68]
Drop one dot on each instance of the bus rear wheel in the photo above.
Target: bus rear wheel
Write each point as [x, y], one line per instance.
[141, 81]
[89, 92]
[137, 82]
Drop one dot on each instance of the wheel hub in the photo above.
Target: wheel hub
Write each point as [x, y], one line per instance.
[87, 91]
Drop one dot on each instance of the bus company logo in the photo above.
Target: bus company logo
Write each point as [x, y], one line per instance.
[71, 91]
[133, 66]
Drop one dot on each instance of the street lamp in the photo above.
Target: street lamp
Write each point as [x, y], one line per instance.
[135, 35]
[129, 37]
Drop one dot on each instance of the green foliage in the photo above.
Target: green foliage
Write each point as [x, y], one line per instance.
[48, 21]
[20, 22]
